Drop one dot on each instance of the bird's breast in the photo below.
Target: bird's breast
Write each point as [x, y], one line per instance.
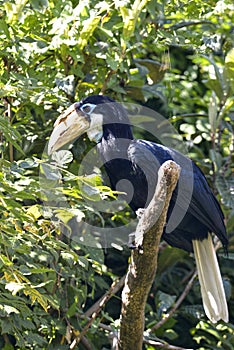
[129, 180]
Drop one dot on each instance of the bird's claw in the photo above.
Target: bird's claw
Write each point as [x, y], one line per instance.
[140, 212]
[131, 241]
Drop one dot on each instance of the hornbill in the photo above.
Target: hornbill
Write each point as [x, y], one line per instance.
[137, 161]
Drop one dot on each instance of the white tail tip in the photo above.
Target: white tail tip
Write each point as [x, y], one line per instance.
[212, 290]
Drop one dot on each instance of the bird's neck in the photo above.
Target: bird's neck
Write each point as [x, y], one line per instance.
[117, 131]
[115, 141]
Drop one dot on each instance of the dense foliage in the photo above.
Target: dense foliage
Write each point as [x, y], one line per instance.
[176, 57]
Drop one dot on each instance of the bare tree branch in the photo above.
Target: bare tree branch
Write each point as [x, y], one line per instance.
[159, 345]
[84, 341]
[96, 309]
[115, 287]
[143, 263]
[190, 23]
[176, 305]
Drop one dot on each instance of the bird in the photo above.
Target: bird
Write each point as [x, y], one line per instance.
[137, 162]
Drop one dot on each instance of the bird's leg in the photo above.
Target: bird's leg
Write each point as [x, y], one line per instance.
[131, 241]
[132, 236]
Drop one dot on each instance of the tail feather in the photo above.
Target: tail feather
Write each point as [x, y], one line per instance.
[212, 290]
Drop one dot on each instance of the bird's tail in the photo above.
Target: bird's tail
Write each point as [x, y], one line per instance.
[212, 290]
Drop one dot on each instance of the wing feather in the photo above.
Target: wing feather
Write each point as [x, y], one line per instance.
[192, 196]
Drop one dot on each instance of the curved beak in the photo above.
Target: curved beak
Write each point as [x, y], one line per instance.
[69, 126]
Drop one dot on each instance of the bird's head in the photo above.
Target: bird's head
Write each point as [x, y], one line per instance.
[98, 116]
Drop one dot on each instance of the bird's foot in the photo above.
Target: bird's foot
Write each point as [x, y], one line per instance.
[131, 241]
[140, 212]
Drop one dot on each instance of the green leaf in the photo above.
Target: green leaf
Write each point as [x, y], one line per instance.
[62, 157]
[14, 287]
[8, 347]
[4, 28]
[72, 310]
[11, 134]
[156, 70]
[212, 112]
[130, 16]
[5, 260]
[88, 27]
[28, 163]
[67, 84]
[217, 84]
[35, 211]
[229, 69]
[164, 302]
[65, 215]
[171, 334]
[225, 186]
[51, 172]
[168, 257]
[36, 296]
[7, 309]
[91, 192]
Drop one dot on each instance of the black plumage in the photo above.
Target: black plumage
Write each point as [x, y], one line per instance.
[138, 161]
[132, 166]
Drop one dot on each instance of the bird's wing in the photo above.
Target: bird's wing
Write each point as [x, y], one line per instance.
[192, 194]
[205, 207]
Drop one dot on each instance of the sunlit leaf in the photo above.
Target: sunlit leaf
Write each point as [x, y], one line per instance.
[88, 28]
[11, 134]
[8, 309]
[229, 68]
[14, 287]
[62, 157]
[35, 211]
[67, 214]
[212, 112]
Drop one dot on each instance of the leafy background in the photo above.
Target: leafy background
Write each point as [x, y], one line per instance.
[176, 57]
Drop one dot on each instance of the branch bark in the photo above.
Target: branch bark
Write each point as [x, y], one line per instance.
[143, 265]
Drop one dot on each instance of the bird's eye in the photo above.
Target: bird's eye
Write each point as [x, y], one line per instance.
[87, 108]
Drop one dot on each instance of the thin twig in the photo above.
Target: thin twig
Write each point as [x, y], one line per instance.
[84, 341]
[113, 290]
[155, 343]
[96, 309]
[11, 151]
[107, 79]
[176, 305]
[160, 345]
[187, 115]
[189, 23]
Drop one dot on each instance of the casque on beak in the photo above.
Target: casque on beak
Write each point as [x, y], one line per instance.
[70, 125]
